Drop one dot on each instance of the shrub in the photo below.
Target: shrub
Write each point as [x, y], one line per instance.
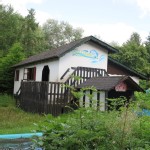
[143, 100]
[86, 128]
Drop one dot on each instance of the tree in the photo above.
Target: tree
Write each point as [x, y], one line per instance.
[16, 28]
[22, 37]
[135, 38]
[60, 33]
[134, 54]
[15, 55]
[147, 44]
[28, 33]
[10, 25]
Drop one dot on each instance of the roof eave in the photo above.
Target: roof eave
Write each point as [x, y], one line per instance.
[105, 45]
[29, 63]
[127, 68]
[97, 41]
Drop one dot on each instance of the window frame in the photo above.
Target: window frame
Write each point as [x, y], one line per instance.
[31, 74]
[17, 72]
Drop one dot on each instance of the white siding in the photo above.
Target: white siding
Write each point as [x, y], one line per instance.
[102, 100]
[53, 66]
[17, 83]
[72, 59]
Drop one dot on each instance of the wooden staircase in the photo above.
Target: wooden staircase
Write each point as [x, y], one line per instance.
[80, 75]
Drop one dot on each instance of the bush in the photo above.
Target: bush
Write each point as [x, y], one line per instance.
[143, 100]
[90, 129]
[14, 56]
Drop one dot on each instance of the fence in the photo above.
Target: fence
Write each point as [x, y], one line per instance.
[44, 97]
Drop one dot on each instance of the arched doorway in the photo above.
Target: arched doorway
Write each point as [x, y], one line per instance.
[45, 73]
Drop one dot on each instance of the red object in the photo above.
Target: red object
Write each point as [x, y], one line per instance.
[122, 87]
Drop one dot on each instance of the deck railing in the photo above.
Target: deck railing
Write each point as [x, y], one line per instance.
[84, 73]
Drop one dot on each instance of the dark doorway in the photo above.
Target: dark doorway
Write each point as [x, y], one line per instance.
[45, 73]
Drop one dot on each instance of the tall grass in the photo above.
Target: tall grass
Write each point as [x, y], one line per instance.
[14, 120]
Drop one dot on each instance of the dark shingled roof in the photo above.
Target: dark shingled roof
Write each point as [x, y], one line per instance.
[108, 83]
[132, 71]
[60, 51]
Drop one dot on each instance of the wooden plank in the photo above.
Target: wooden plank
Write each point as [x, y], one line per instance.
[58, 103]
[80, 75]
[84, 75]
[46, 97]
[61, 96]
[93, 72]
[54, 98]
[84, 99]
[51, 101]
[98, 100]
[90, 72]
[90, 99]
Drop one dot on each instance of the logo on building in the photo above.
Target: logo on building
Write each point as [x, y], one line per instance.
[93, 55]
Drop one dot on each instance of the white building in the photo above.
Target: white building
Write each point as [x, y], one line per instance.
[58, 64]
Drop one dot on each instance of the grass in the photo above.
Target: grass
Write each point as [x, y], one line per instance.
[14, 120]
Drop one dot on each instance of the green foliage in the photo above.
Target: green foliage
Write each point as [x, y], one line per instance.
[116, 103]
[144, 84]
[143, 100]
[29, 34]
[60, 33]
[10, 24]
[15, 55]
[141, 133]
[147, 43]
[90, 129]
[32, 38]
[134, 54]
[6, 100]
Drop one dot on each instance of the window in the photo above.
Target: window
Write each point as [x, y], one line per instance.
[30, 73]
[17, 75]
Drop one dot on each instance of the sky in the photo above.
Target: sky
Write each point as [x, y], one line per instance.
[110, 20]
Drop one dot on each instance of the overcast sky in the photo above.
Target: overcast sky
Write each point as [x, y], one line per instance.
[111, 20]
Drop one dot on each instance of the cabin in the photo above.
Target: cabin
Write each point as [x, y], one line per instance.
[42, 80]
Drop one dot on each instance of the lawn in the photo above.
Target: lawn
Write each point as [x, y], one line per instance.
[14, 120]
